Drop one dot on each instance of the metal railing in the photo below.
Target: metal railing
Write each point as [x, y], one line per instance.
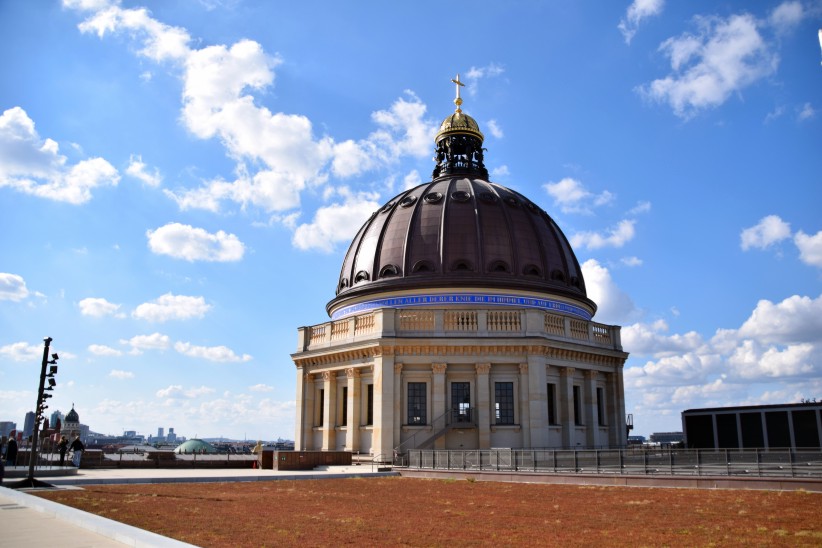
[630, 461]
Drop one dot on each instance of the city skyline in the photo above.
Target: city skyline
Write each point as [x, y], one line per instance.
[180, 182]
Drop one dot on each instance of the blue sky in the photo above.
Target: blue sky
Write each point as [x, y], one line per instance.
[179, 182]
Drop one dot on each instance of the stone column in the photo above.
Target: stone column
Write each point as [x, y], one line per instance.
[537, 427]
[589, 398]
[617, 430]
[566, 407]
[484, 406]
[438, 401]
[329, 410]
[524, 411]
[352, 433]
[620, 398]
[305, 411]
[399, 398]
[383, 432]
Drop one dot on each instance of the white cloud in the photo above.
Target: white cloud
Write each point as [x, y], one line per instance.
[177, 391]
[794, 320]
[494, 129]
[475, 74]
[210, 353]
[614, 306]
[806, 113]
[786, 16]
[501, 171]
[631, 261]
[155, 341]
[119, 374]
[723, 57]
[768, 231]
[335, 223]
[572, 196]
[12, 287]
[172, 307]
[411, 180]
[102, 350]
[34, 166]
[640, 207]
[194, 244]
[617, 237]
[138, 169]
[98, 308]
[810, 248]
[22, 352]
[637, 11]
[261, 388]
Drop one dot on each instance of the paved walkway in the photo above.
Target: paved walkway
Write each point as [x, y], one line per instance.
[29, 521]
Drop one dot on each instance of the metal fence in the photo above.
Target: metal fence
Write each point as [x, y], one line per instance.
[678, 462]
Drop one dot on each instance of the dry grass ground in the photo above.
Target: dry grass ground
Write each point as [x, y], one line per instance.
[415, 512]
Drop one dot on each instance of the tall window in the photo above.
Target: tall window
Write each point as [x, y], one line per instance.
[552, 403]
[504, 401]
[321, 401]
[369, 405]
[577, 406]
[461, 401]
[600, 406]
[416, 403]
[344, 419]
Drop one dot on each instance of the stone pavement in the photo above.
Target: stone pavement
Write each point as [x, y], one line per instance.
[29, 521]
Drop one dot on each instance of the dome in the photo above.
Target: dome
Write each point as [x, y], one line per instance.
[460, 239]
[195, 446]
[460, 232]
[72, 416]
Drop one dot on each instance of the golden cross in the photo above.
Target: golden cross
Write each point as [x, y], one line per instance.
[458, 100]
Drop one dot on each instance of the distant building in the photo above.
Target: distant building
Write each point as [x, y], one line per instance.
[171, 437]
[636, 440]
[797, 425]
[161, 433]
[6, 427]
[667, 438]
[28, 425]
[56, 417]
[72, 426]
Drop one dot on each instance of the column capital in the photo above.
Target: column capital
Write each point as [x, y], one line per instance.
[397, 368]
[523, 369]
[439, 368]
[483, 368]
[309, 377]
[352, 373]
[567, 371]
[327, 376]
[591, 374]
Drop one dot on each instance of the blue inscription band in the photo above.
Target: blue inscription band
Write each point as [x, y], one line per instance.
[463, 299]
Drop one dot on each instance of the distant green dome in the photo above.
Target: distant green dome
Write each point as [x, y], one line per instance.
[195, 446]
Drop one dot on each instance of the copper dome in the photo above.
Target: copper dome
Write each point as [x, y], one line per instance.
[460, 233]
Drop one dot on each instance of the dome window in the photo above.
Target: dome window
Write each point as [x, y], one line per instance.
[362, 276]
[532, 207]
[433, 197]
[408, 201]
[499, 266]
[388, 207]
[389, 270]
[558, 275]
[531, 270]
[575, 282]
[511, 201]
[343, 283]
[423, 266]
[488, 198]
[462, 265]
[460, 196]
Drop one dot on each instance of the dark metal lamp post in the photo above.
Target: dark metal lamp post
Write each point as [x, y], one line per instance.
[42, 396]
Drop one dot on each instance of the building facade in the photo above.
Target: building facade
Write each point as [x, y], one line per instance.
[460, 321]
[797, 425]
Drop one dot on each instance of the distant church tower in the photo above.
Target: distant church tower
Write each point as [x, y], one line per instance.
[460, 321]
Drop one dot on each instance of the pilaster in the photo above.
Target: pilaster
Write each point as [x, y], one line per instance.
[524, 408]
[383, 432]
[329, 410]
[352, 433]
[438, 399]
[589, 398]
[483, 407]
[566, 406]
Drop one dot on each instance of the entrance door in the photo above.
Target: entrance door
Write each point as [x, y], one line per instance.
[461, 402]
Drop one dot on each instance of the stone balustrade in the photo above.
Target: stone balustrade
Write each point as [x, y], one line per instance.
[411, 322]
